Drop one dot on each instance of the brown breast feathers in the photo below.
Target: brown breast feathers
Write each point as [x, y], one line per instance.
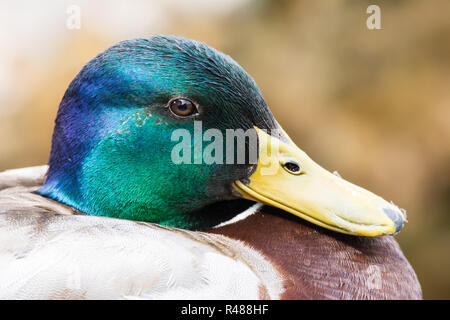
[320, 264]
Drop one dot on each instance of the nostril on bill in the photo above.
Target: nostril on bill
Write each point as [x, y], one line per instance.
[396, 216]
[291, 166]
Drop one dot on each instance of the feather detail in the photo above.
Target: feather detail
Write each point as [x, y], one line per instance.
[48, 252]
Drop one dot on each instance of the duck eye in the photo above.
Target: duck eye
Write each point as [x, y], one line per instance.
[182, 107]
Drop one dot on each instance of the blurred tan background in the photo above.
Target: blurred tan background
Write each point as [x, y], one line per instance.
[372, 104]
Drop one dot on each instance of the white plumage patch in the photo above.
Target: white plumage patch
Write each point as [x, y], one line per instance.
[81, 257]
[46, 252]
[241, 216]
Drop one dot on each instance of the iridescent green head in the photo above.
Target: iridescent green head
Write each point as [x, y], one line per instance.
[113, 143]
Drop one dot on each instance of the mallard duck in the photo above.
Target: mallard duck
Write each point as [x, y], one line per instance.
[125, 210]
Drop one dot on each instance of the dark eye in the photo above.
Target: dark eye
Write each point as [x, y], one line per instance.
[182, 107]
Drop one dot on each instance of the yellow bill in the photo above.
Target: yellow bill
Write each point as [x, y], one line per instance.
[285, 177]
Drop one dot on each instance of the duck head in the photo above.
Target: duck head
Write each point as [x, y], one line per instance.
[151, 130]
